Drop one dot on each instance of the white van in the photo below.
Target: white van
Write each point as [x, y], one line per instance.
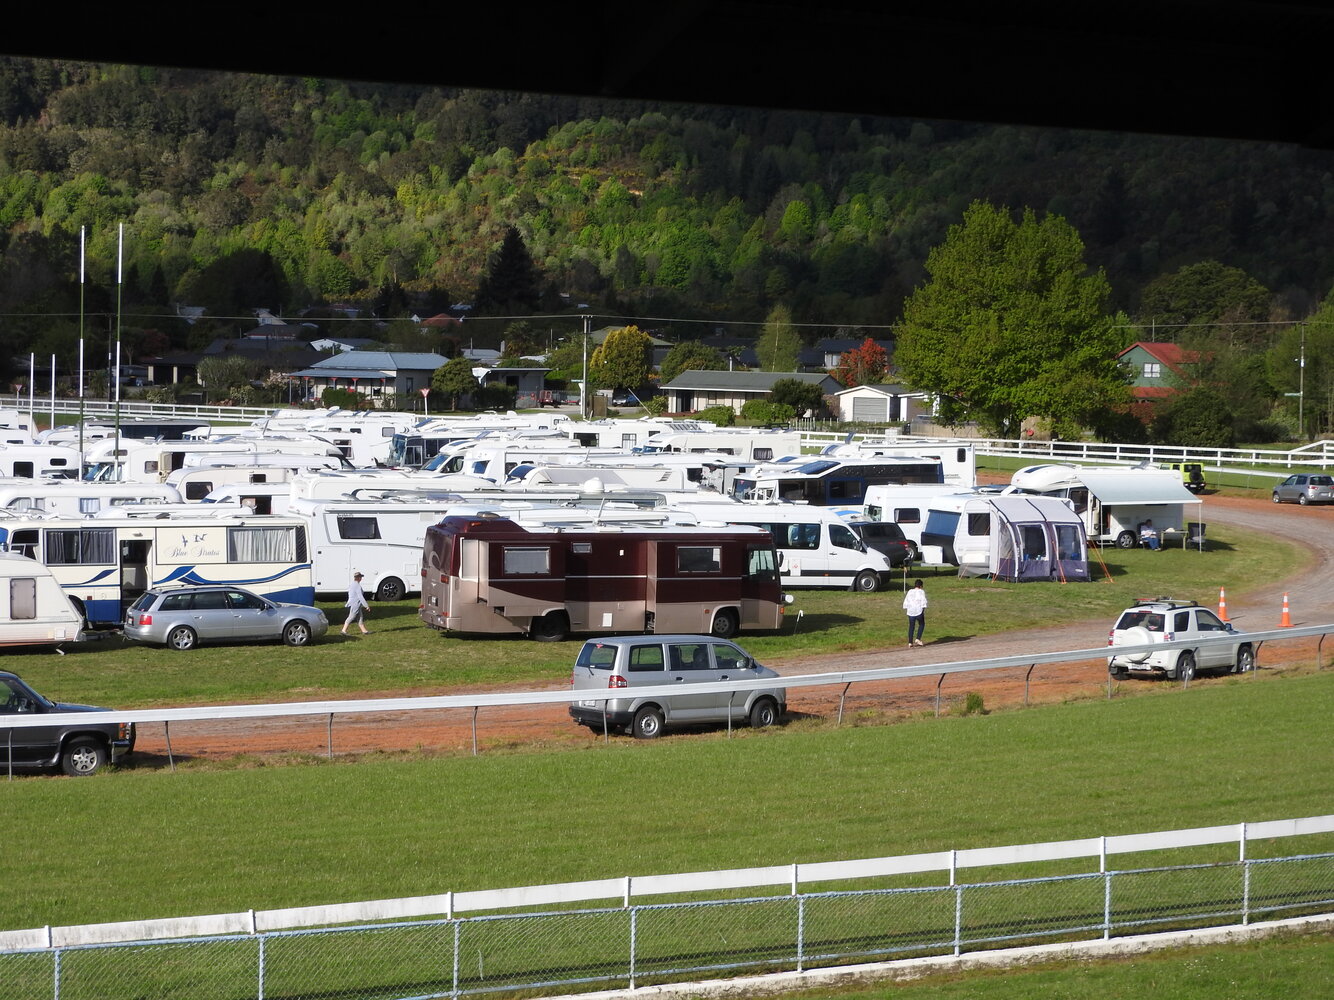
[816, 546]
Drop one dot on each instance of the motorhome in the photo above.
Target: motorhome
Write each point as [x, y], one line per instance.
[737, 443]
[34, 610]
[905, 505]
[815, 544]
[832, 482]
[153, 462]
[262, 498]
[39, 461]
[1009, 536]
[74, 498]
[1114, 501]
[958, 459]
[104, 563]
[489, 574]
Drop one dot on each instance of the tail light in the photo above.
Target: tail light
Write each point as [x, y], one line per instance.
[617, 681]
[145, 620]
[1111, 636]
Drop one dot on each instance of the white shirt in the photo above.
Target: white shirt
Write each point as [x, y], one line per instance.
[914, 602]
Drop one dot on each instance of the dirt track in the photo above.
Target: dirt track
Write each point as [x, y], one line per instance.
[451, 731]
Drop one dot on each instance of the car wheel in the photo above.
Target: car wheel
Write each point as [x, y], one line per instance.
[648, 723]
[1186, 667]
[1276, 499]
[866, 582]
[296, 633]
[763, 713]
[1125, 540]
[725, 624]
[1245, 660]
[390, 589]
[551, 627]
[82, 756]
[912, 553]
[182, 637]
[1118, 673]
[1301, 500]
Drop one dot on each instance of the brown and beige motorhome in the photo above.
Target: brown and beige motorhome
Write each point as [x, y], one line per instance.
[487, 573]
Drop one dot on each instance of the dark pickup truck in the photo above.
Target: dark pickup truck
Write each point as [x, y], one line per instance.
[77, 748]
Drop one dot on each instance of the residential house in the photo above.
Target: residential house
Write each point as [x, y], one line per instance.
[373, 374]
[696, 390]
[1158, 370]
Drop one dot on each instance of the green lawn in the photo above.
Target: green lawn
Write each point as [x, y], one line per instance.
[402, 655]
[140, 843]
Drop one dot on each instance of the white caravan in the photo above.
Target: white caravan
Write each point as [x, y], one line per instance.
[1113, 501]
[39, 461]
[34, 610]
[1010, 536]
[74, 498]
[816, 546]
[958, 459]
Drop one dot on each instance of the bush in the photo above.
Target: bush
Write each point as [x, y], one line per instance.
[345, 399]
[723, 416]
[762, 411]
[494, 396]
[656, 405]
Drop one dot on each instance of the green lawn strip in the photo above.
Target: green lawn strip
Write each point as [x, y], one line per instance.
[148, 843]
[1273, 969]
[403, 656]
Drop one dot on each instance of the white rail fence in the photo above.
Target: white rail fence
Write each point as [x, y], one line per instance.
[664, 928]
[477, 701]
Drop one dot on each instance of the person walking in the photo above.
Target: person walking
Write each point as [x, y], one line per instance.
[356, 606]
[914, 602]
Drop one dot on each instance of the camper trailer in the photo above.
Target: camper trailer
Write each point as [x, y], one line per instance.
[1113, 501]
[833, 482]
[491, 574]
[1011, 536]
[39, 461]
[74, 498]
[815, 545]
[34, 610]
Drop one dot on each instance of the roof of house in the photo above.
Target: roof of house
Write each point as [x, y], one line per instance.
[742, 381]
[1172, 355]
[370, 364]
[885, 389]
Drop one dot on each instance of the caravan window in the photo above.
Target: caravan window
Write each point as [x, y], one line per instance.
[525, 561]
[265, 545]
[907, 515]
[197, 490]
[22, 598]
[760, 563]
[699, 559]
[979, 524]
[358, 527]
[1033, 541]
[70, 547]
[1068, 542]
[89, 505]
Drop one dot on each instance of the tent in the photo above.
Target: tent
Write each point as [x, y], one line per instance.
[1030, 538]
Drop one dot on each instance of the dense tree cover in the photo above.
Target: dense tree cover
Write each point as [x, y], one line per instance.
[690, 355]
[1012, 324]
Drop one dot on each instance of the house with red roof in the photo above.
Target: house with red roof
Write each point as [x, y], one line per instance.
[1158, 370]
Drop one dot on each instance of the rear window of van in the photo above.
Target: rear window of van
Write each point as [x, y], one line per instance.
[597, 655]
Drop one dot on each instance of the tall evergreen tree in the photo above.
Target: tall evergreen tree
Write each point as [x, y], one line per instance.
[779, 346]
[512, 283]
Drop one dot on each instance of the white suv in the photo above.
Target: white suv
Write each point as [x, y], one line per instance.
[1167, 621]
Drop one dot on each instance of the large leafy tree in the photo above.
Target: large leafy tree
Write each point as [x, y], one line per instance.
[691, 355]
[864, 365]
[1012, 323]
[779, 345]
[1203, 294]
[621, 361]
[454, 379]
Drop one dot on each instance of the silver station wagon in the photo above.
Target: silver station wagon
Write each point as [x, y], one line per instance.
[183, 617]
[623, 663]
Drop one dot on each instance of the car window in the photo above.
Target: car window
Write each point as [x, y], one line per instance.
[1181, 623]
[247, 602]
[143, 601]
[645, 658]
[690, 656]
[176, 602]
[1322, 480]
[210, 600]
[1209, 622]
[728, 657]
[842, 537]
[597, 655]
[1141, 619]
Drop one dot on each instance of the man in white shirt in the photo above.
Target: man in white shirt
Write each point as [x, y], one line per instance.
[914, 602]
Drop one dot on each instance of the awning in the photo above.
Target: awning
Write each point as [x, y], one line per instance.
[1140, 489]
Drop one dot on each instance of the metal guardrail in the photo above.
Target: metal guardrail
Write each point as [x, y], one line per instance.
[477, 701]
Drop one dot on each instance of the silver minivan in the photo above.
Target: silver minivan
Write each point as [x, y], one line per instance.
[642, 661]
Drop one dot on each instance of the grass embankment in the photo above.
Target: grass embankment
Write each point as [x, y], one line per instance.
[402, 655]
[141, 843]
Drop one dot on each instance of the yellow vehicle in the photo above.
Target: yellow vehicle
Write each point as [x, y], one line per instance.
[1192, 475]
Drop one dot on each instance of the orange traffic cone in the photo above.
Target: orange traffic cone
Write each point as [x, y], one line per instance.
[1286, 620]
[1222, 603]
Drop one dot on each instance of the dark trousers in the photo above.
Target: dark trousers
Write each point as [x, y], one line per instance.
[916, 626]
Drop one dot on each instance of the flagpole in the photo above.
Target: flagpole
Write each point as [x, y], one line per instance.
[83, 247]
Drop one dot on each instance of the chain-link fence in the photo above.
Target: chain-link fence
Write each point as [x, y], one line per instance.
[528, 953]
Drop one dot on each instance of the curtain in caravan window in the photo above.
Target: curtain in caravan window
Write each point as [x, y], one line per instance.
[22, 598]
[261, 545]
[75, 546]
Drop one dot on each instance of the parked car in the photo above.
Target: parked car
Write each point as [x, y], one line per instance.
[77, 748]
[1305, 488]
[886, 537]
[1168, 621]
[635, 661]
[183, 617]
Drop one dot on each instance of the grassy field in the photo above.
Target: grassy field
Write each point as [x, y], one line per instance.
[147, 843]
[402, 655]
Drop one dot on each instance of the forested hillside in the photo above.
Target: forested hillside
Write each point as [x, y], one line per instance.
[240, 191]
